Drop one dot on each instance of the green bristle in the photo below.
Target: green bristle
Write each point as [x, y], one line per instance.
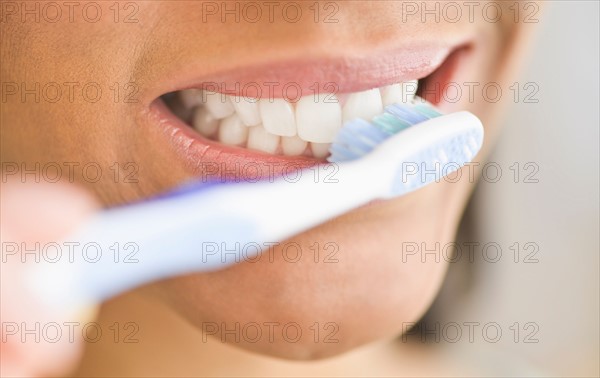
[389, 123]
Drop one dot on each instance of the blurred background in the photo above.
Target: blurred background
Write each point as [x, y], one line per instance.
[548, 310]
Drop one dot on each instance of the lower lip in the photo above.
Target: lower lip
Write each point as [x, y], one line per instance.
[214, 160]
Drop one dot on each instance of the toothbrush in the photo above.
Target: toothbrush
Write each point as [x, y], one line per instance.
[197, 228]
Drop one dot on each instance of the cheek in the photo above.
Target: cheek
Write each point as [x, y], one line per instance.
[353, 279]
[72, 80]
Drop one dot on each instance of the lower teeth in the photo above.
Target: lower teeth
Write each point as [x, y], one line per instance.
[275, 126]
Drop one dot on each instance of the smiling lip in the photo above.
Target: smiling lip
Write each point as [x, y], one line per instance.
[348, 74]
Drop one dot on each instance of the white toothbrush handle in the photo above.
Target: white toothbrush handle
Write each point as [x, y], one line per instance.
[204, 229]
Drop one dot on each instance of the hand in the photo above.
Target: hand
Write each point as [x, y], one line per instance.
[35, 340]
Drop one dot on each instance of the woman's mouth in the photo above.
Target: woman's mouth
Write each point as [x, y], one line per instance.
[235, 121]
[305, 126]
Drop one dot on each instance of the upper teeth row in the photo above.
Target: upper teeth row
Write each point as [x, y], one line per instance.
[314, 118]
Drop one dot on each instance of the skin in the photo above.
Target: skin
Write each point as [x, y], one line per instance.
[368, 293]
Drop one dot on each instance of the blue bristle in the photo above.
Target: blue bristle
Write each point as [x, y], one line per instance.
[356, 139]
[359, 137]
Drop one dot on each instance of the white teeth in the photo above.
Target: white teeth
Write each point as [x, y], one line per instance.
[232, 131]
[293, 146]
[399, 93]
[204, 122]
[218, 104]
[320, 150]
[391, 94]
[190, 98]
[261, 140]
[247, 109]
[278, 117]
[410, 89]
[318, 121]
[276, 126]
[363, 105]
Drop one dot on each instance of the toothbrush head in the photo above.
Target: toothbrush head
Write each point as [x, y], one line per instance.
[359, 137]
[419, 143]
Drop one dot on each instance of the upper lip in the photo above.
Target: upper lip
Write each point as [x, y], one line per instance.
[337, 74]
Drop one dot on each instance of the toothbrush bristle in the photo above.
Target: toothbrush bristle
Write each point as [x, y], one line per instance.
[359, 137]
